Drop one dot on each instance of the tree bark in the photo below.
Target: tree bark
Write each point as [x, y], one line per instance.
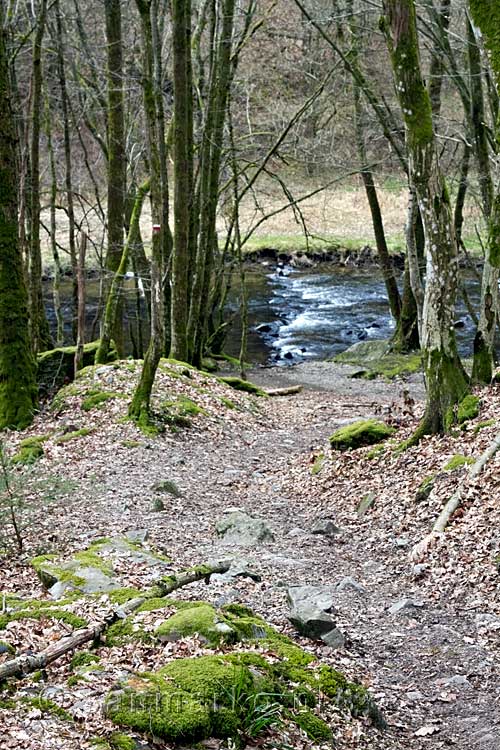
[40, 332]
[80, 321]
[116, 161]
[446, 380]
[18, 390]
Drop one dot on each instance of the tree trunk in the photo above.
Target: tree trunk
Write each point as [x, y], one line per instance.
[116, 160]
[484, 339]
[18, 390]
[80, 321]
[183, 170]
[139, 408]
[446, 380]
[40, 332]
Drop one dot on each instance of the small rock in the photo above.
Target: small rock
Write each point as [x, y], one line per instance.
[420, 570]
[365, 504]
[309, 610]
[456, 680]
[325, 526]
[295, 532]
[138, 535]
[315, 596]
[405, 605]
[415, 695]
[242, 529]
[401, 542]
[334, 638]
[350, 583]
[488, 621]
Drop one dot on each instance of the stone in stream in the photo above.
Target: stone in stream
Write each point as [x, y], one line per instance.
[237, 527]
[325, 526]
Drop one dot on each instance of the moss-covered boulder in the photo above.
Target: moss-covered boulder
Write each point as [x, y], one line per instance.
[56, 367]
[360, 433]
[201, 620]
[91, 571]
[29, 450]
[377, 360]
[468, 408]
[242, 529]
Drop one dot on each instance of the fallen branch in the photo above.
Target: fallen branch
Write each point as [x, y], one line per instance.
[25, 664]
[284, 391]
[455, 501]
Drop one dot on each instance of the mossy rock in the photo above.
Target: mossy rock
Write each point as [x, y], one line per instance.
[34, 609]
[57, 366]
[167, 486]
[456, 462]
[29, 450]
[316, 728]
[360, 433]
[95, 399]
[73, 435]
[468, 408]
[6, 648]
[83, 659]
[243, 385]
[202, 620]
[483, 425]
[376, 360]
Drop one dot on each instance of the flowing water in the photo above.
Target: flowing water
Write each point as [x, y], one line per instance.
[297, 315]
[294, 315]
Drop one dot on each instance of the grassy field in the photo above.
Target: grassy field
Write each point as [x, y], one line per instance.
[336, 216]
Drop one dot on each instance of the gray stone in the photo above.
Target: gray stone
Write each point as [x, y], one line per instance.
[309, 613]
[415, 695]
[296, 532]
[405, 606]
[239, 569]
[456, 680]
[241, 529]
[401, 542]
[325, 526]
[137, 535]
[487, 621]
[334, 638]
[420, 569]
[365, 504]
[350, 583]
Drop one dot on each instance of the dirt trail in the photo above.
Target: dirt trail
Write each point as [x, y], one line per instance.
[437, 683]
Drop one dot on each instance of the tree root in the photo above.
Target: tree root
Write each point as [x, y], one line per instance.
[25, 664]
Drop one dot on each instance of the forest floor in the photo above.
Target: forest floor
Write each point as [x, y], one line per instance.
[433, 668]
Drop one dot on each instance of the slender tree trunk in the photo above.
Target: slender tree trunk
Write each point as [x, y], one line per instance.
[56, 284]
[40, 332]
[139, 408]
[116, 162]
[183, 170]
[80, 323]
[61, 52]
[115, 292]
[484, 340]
[446, 380]
[18, 390]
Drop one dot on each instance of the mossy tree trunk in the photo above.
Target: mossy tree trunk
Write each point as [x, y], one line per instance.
[111, 314]
[183, 176]
[116, 165]
[68, 164]
[487, 17]
[40, 332]
[139, 408]
[212, 147]
[446, 380]
[18, 389]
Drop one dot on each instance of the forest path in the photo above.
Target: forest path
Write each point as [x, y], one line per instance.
[435, 681]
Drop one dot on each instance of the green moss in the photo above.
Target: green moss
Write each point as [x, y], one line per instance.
[482, 425]
[168, 486]
[73, 435]
[458, 461]
[156, 706]
[29, 450]
[318, 464]
[43, 613]
[47, 706]
[227, 403]
[131, 443]
[83, 659]
[360, 433]
[201, 620]
[208, 677]
[425, 488]
[120, 741]
[243, 385]
[120, 596]
[316, 729]
[348, 695]
[124, 631]
[6, 648]
[96, 399]
[468, 408]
